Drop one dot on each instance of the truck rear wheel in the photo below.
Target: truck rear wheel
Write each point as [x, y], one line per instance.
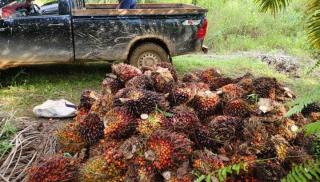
[147, 55]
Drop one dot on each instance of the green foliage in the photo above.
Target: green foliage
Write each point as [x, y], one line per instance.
[223, 173]
[253, 98]
[7, 131]
[313, 23]
[309, 171]
[272, 5]
[301, 102]
[312, 128]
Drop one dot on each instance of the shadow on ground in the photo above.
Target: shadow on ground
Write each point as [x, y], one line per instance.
[51, 73]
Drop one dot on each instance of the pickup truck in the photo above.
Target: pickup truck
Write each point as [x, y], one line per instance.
[78, 32]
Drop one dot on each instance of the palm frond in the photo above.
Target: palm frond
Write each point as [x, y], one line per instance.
[312, 128]
[300, 103]
[273, 6]
[309, 171]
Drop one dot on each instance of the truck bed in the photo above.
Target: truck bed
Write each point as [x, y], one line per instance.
[142, 9]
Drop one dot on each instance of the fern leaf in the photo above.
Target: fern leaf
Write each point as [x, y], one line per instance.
[312, 128]
[308, 171]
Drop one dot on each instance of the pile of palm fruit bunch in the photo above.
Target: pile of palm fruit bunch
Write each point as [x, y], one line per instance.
[149, 125]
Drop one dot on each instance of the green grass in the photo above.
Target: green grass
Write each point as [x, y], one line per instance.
[22, 89]
[7, 131]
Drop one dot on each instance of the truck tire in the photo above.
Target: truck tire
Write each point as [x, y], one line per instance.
[147, 55]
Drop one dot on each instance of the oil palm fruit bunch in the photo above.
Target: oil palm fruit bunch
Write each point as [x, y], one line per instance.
[237, 108]
[219, 82]
[202, 138]
[69, 138]
[87, 98]
[131, 147]
[190, 77]
[167, 149]
[279, 147]
[102, 105]
[226, 129]
[288, 129]
[246, 82]
[183, 173]
[206, 161]
[91, 128]
[311, 108]
[125, 72]
[56, 168]
[265, 87]
[205, 103]
[162, 79]
[182, 93]
[140, 170]
[111, 84]
[270, 170]
[231, 92]
[140, 82]
[170, 67]
[183, 121]
[97, 170]
[208, 75]
[119, 123]
[138, 101]
[149, 123]
[295, 155]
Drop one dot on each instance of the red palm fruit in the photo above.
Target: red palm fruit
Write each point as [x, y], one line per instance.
[231, 92]
[226, 129]
[205, 161]
[91, 129]
[268, 171]
[279, 147]
[54, 169]
[119, 123]
[182, 93]
[125, 72]
[190, 77]
[170, 67]
[237, 108]
[201, 86]
[246, 82]
[140, 82]
[139, 170]
[162, 79]
[151, 123]
[167, 149]
[205, 103]
[69, 139]
[111, 84]
[113, 155]
[208, 75]
[97, 149]
[102, 105]
[97, 170]
[138, 101]
[219, 82]
[87, 99]
[182, 121]
[266, 87]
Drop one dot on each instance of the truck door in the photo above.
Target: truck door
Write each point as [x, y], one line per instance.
[39, 39]
[5, 37]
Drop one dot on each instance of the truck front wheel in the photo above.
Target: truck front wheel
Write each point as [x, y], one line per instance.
[147, 55]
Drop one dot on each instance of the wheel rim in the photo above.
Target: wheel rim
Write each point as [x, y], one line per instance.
[148, 59]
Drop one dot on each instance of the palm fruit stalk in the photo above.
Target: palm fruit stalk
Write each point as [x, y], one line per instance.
[91, 129]
[170, 67]
[125, 72]
[119, 123]
[103, 105]
[138, 101]
[111, 84]
[167, 149]
[69, 138]
[56, 168]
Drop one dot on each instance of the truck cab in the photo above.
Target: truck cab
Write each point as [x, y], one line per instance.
[71, 31]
